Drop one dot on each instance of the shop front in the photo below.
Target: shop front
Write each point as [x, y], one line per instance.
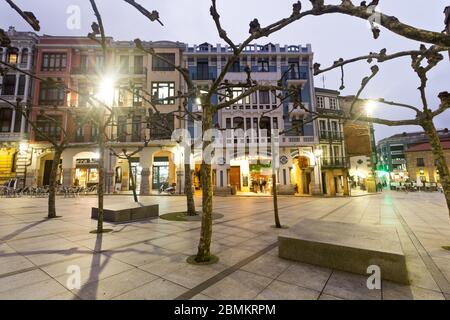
[86, 172]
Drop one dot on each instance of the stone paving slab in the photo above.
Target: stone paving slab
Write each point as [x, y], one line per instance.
[35, 252]
[347, 247]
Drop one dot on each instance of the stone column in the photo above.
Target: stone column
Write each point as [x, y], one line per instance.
[67, 176]
[315, 187]
[346, 186]
[145, 182]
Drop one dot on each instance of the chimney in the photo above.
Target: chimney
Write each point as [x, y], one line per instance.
[11, 31]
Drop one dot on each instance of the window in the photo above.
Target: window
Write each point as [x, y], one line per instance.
[263, 65]
[264, 97]
[13, 56]
[163, 90]
[334, 126]
[51, 94]
[420, 162]
[320, 102]
[137, 96]
[21, 89]
[24, 58]
[124, 64]
[297, 127]
[122, 128]
[9, 85]
[136, 128]
[161, 132]
[323, 125]
[293, 70]
[122, 96]
[79, 134]
[99, 62]
[228, 123]
[84, 66]
[275, 123]
[236, 67]
[203, 70]
[51, 127]
[138, 65]
[161, 65]
[54, 62]
[5, 119]
[333, 104]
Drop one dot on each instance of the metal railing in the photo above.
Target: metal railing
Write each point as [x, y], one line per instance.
[334, 162]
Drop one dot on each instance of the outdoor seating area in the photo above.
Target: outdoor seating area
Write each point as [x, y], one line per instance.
[12, 190]
[413, 186]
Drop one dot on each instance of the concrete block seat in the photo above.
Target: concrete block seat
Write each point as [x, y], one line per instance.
[126, 212]
[346, 247]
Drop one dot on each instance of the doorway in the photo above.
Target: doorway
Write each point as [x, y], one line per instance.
[235, 177]
[47, 171]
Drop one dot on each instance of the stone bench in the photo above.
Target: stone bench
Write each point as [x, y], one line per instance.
[127, 212]
[346, 247]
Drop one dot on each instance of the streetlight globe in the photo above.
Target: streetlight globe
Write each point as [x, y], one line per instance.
[106, 90]
[370, 107]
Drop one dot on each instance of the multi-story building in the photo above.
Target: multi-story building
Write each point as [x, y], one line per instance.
[263, 110]
[15, 85]
[392, 151]
[359, 145]
[334, 163]
[127, 82]
[421, 162]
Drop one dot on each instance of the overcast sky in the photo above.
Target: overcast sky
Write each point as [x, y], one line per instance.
[331, 37]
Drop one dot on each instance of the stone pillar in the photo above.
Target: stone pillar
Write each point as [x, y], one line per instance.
[316, 187]
[145, 182]
[67, 177]
[109, 181]
[346, 186]
[331, 187]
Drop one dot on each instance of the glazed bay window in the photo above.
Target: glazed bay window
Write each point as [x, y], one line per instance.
[5, 119]
[51, 94]
[9, 85]
[51, 127]
[161, 64]
[21, 88]
[137, 96]
[54, 61]
[138, 64]
[264, 97]
[161, 91]
[320, 102]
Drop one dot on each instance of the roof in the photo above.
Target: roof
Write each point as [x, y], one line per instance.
[427, 147]
[329, 91]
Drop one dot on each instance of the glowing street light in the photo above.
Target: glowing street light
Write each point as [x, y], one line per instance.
[370, 107]
[106, 90]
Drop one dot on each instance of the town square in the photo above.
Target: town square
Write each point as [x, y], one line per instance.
[224, 159]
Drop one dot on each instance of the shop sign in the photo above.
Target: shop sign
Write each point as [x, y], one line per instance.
[87, 161]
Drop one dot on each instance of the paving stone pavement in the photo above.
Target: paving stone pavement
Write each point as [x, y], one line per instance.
[147, 259]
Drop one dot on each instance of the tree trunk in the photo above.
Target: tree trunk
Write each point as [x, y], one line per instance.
[204, 250]
[189, 190]
[275, 200]
[101, 174]
[52, 184]
[439, 157]
[133, 183]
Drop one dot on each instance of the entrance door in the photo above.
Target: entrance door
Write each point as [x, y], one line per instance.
[47, 171]
[160, 176]
[235, 177]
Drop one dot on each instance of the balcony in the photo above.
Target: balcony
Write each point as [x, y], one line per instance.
[331, 135]
[334, 162]
[203, 76]
[12, 136]
[294, 141]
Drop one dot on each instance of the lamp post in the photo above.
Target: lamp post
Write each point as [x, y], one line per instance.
[106, 96]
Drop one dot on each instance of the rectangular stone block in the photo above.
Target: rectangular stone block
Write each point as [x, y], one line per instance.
[346, 247]
[125, 213]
